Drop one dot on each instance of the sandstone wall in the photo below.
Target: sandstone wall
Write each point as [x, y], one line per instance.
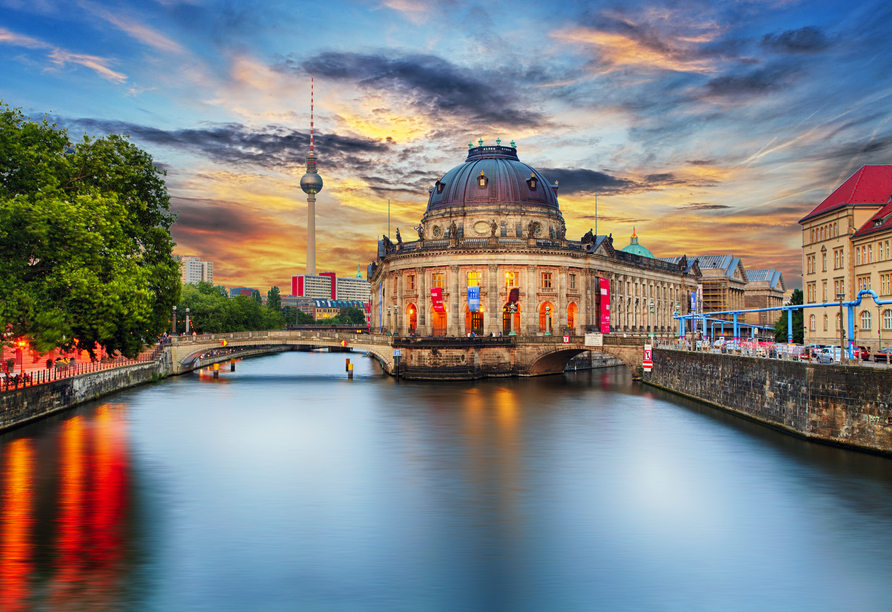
[21, 406]
[848, 405]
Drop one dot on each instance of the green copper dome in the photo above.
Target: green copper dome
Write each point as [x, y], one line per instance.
[636, 249]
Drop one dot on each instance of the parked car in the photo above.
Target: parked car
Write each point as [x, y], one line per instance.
[810, 351]
[883, 354]
[829, 355]
[861, 352]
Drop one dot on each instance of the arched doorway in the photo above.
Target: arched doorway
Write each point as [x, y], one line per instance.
[438, 322]
[506, 319]
[571, 317]
[546, 322]
[411, 319]
[474, 321]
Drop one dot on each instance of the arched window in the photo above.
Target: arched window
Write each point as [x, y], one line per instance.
[825, 323]
[811, 323]
[887, 319]
[571, 316]
[865, 320]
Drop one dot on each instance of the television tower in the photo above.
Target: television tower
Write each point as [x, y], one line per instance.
[311, 183]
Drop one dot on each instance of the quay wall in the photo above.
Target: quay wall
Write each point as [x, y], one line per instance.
[842, 405]
[21, 406]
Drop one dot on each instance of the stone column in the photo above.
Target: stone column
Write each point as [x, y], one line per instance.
[423, 302]
[529, 315]
[560, 319]
[453, 323]
[493, 314]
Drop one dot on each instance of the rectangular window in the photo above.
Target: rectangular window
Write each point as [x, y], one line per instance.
[438, 279]
[858, 256]
[824, 261]
[396, 285]
[869, 253]
[510, 280]
[473, 279]
[410, 282]
[825, 291]
[572, 281]
[545, 280]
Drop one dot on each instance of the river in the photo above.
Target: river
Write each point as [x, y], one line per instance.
[284, 486]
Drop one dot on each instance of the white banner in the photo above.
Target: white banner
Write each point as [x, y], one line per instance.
[594, 339]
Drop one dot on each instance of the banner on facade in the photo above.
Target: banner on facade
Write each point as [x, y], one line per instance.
[693, 310]
[605, 305]
[474, 299]
[437, 299]
[513, 296]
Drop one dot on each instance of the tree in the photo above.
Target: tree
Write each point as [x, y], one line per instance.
[780, 328]
[273, 299]
[304, 318]
[351, 316]
[255, 295]
[212, 312]
[85, 245]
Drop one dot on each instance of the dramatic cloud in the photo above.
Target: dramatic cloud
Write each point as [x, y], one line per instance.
[581, 180]
[804, 40]
[433, 85]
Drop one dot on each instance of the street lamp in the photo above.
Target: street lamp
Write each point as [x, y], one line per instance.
[187, 320]
[389, 325]
[842, 335]
[173, 326]
[548, 320]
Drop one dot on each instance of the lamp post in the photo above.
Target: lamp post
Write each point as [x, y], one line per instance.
[389, 326]
[650, 320]
[173, 325]
[187, 320]
[548, 320]
[512, 309]
[842, 334]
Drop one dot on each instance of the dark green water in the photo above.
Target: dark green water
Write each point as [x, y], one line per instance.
[283, 486]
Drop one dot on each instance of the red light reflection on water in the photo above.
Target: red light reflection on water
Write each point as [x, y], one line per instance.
[16, 525]
[84, 563]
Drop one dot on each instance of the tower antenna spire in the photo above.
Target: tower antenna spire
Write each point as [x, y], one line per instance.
[311, 183]
[311, 115]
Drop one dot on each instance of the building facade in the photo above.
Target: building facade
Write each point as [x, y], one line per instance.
[492, 257]
[193, 270]
[764, 289]
[844, 249]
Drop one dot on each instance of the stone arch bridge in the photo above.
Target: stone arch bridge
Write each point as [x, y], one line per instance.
[419, 358]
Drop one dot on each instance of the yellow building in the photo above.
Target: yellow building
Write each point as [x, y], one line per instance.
[845, 248]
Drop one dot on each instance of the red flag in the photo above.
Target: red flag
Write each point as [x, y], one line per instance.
[437, 299]
[605, 305]
[514, 295]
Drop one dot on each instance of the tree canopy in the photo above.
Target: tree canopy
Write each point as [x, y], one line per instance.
[212, 312]
[780, 328]
[85, 245]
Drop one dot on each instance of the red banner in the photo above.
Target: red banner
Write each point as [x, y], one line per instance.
[513, 295]
[437, 299]
[605, 305]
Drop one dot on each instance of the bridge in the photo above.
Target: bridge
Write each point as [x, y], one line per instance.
[417, 358]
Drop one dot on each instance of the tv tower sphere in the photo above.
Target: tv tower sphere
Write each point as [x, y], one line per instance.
[311, 182]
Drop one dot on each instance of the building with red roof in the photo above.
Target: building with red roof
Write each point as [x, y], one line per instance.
[845, 248]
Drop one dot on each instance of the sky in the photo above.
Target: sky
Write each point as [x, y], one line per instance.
[709, 127]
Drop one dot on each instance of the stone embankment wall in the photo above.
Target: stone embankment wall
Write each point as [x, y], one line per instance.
[846, 405]
[21, 406]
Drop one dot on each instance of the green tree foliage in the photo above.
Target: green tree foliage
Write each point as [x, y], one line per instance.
[351, 316]
[85, 245]
[273, 299]
[211, 312]
[304, 318]
[255, 295]
[780, 328]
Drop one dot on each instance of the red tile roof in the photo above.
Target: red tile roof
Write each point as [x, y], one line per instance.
[880, 221]
[869, 185]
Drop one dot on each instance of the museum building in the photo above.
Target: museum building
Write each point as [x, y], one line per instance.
[492, 257]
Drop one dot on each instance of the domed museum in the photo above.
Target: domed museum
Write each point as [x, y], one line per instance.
[492, 257]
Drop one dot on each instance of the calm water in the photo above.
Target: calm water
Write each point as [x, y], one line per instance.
[283, 486]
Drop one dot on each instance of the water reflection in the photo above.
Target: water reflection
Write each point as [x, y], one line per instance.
[65, 507]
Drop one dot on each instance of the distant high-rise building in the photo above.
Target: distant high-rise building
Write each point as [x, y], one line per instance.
[193, 270]
[313, 286]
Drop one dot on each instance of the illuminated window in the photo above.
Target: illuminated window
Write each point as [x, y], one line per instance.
[482, 181]
[510, 280]
[473, 279]
[438, 279]
[545, 280]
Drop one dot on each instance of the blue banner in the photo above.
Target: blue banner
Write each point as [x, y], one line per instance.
[474, 299]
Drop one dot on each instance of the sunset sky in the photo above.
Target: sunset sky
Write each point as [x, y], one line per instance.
[711, 127]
